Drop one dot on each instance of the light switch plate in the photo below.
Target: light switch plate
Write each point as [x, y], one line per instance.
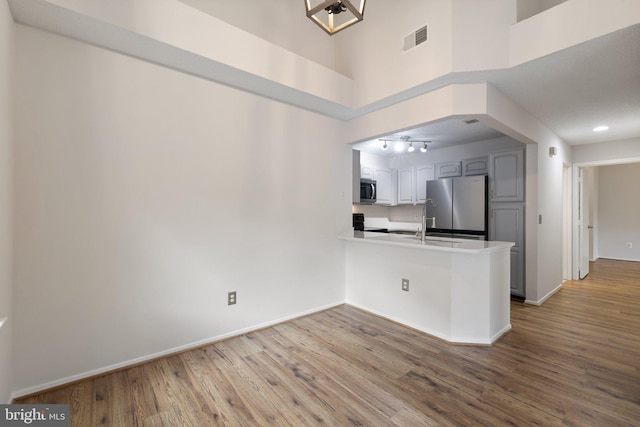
[405, 285]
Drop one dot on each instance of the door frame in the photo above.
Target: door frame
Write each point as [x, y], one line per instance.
[567, 217]
[575, 189]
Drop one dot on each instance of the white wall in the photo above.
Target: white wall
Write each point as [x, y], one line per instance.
[618, 211]
[371, 51]
[280, 22]
[607, 152]
[528, 8]
[144, 195]
[6, 178]
[568, 24]
[481, 34]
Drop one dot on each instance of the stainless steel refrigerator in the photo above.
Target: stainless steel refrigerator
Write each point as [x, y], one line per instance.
[460, 206]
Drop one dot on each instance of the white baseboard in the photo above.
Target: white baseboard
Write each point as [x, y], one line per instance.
[619, 259]
[544, 298]
[500, 334]
[443, 337]
[122, 365]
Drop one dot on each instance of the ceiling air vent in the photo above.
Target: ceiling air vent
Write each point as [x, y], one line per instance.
[414, 39]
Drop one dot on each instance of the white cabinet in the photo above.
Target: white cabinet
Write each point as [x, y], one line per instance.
[386, 183]
[412, 184]
[448, 169]
[475, 166]
[423, 174]
[506, 176]
[506, 224]
[406, 186]
[366, 171]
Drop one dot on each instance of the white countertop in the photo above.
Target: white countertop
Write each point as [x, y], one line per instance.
[431, 243]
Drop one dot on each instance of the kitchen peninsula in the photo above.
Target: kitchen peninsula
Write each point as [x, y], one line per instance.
[454, 289]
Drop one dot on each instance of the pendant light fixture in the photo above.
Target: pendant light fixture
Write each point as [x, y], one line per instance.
[333, 16]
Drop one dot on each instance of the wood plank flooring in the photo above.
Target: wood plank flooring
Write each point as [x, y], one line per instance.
[574, 361]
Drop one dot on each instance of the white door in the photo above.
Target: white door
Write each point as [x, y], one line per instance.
[583, 222]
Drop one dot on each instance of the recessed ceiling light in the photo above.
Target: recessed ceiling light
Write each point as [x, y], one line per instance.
[600, 128]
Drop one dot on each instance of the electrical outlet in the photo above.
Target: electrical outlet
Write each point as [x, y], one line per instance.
[405, 285]
[629, 245]
[231, 298]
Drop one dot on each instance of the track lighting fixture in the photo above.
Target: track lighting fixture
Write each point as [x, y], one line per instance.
[404, 144]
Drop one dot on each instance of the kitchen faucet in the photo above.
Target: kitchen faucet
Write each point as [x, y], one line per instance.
[424, 219]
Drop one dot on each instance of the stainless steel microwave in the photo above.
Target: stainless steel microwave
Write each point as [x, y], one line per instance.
[368, 191]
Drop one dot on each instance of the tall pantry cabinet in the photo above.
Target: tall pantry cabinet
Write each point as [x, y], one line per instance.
[506, 210]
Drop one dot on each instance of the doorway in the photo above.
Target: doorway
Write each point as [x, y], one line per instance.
[585, 215]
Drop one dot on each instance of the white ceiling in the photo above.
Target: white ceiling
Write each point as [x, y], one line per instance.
[570, 91]
[574, 90]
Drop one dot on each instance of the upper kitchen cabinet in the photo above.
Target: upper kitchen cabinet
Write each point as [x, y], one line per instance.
[506, 176]
[476, 166]
[366, 172]
[386, 183]
[448, 169]
[406, 186]
[412, 184]
[423, 174]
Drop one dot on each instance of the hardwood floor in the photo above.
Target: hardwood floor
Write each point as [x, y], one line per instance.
[574, 361]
